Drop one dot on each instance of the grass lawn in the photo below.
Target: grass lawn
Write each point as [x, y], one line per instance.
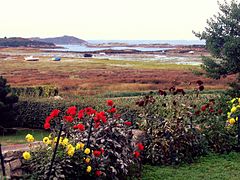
[19, 137]
[209, 167]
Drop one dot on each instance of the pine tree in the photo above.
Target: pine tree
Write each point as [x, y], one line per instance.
[8, 111]
[222, 36]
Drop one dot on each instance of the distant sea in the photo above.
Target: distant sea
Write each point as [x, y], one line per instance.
[83, 48]
[171, 42]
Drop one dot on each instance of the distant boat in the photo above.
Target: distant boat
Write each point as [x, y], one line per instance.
[56, 58]
[87, 55]
[31, 58]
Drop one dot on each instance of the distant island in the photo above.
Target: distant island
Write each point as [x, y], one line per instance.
[24, 42]
[61, 40]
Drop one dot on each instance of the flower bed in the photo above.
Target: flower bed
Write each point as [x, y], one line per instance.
[91, 145]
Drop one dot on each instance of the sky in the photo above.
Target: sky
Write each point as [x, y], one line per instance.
[106, 19]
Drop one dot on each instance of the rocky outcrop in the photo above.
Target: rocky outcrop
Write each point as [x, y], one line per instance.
[61, 40]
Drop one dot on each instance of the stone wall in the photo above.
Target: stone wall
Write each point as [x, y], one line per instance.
[13, 164]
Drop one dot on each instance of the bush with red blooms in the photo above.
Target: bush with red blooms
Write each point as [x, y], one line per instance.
[98, 144]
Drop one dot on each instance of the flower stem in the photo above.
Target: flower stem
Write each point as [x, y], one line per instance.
[55, 151]
[2, 161]
[89, 134]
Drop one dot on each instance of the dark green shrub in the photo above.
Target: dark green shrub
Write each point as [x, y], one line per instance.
[8, 110]
[33, 111]
[171, 137]
[211, 117]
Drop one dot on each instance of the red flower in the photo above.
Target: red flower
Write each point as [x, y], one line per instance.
[220, 111]
[199, 82]
[140, 146]
[97, 153]
[104, 119]
[136, 154]
[211, 110]
[48, 119]
[128, 123]
[46, 126]
[97, 124]
[117, 116]
[55, 113]
[75, 127]
[203, 108]
[197, 112]
[109, 102]
[68, 118]
[140, 103]
[81, 114]
[72, 110]
[112, 110]
[90, 111]
[98, 173]
[81, 127]
[162, 93]
[201, 88]
[102, 150]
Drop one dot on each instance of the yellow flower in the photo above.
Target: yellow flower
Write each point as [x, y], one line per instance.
[234, 109]
[79, 146]
[239, 100]
[228, 115]
[231, 121]
[46, 140]
[89, 168]
[87, 151]
[87, 160]
[65, 142]
[60, 140]
[29, 138]
[69, 146]
[26, 155]
[232, 101]
[71, 151]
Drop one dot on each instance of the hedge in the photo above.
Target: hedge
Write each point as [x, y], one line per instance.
[33, 111]
[35, 91]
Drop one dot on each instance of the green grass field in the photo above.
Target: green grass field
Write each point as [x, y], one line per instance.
[19, 137]
[224, 167]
